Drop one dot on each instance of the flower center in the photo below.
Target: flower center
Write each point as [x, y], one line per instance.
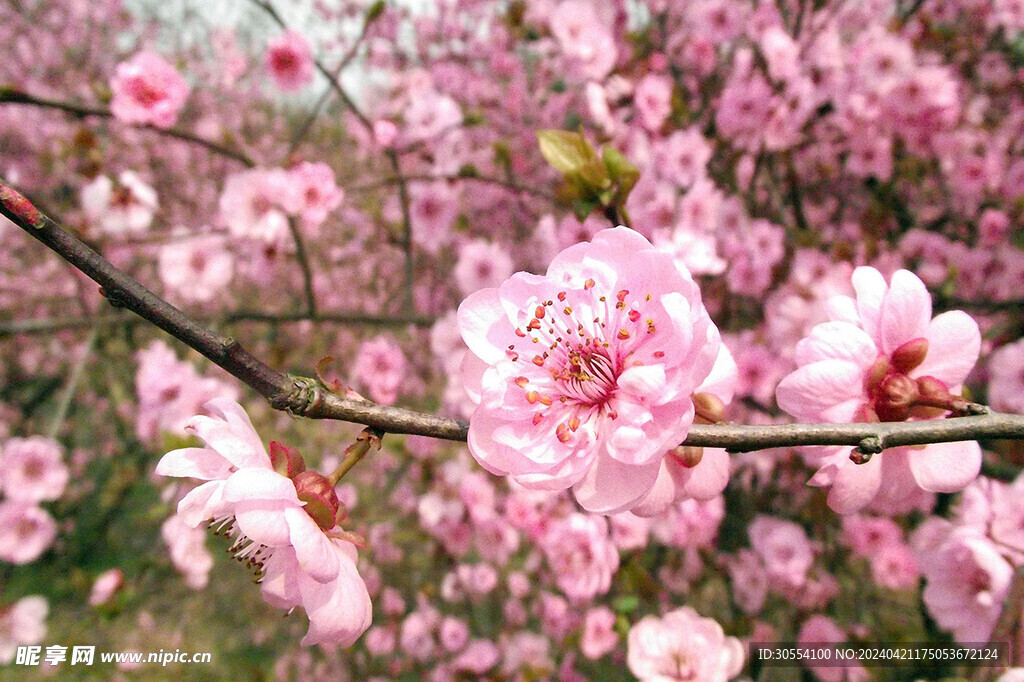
[252, 554]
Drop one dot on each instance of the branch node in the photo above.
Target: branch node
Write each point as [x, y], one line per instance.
[305, 396]
[868, 446]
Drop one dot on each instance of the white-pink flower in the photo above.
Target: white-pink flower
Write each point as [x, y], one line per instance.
[292, 541]
[196, 269]
[125, 207]
[584, 375]
[316, 192]
[883, 358]
[23, 623]
[147, 90]
[682, 645]
[32, 469]
[289, 61]
[255, 202]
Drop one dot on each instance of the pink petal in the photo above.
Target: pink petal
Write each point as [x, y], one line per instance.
[954, 342]
[339, 611]
[201, 463]
[811, 390]
[855, 485]
[724, 376]
[263, 523]
[836, 341]
[279, 585]
[945, 467]
[660, 497]
[610, 486]
[710, 477]
[478, 316]
[906, 311]
[259, 484]
[314, 551]
[842, 309]
[870, 286]
[202, 503]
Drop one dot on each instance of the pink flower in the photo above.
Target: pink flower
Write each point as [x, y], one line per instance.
[316, 193]
[1006, 378]
[894, 567]
[432, 212]
[884, 358]
[294, 542]
[599, 636]
[22, 624]
[967, 582]
[867, 535]
[254, 204]
[682, 646]
[820, 629]
[482, 263]
[586, 43]
[289, 61]
[584, 376]
[581, 555]
[380, 366]
[32, 469]
[126, 207]
[25, 531]
[784, 548]
[653, 100]
[196, 269]
[187, 547]
[147, 90]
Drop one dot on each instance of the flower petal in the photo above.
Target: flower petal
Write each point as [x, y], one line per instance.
[314, 551]
[946, 467]
[611, 486]
[870, 286]
[906, 311]
[810, 391]
[854, 485]
[954, 342]
[202, 463]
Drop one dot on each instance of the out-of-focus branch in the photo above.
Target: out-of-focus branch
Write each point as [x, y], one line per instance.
[307, 398]
[456, 177]
[48, 325]
[12, 96]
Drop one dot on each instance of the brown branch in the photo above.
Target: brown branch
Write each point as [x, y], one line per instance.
[12, 96]
[47, 325]
[455, 177]
[307, 398]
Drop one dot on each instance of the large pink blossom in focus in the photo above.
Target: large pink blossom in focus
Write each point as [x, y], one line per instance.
[289, 61]
[682, 645]
[301, 555]
[584, 375]
[883, 358]
[147, 90]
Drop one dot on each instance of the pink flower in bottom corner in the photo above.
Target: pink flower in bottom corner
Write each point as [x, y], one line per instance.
[884, 358]
[584, 376]
[682, 645]
[22, 623]
[282, 520]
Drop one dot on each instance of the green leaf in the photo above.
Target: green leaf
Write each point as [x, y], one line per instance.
[621, 170]
[566, 151]
[626, 604]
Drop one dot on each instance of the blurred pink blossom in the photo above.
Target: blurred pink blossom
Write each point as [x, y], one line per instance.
[32, 469]
[289, 61]
[26, 531]
[23, 623]
[124, 208]
[581, 555]
[682, 645]
[380, 366]
[147, 90]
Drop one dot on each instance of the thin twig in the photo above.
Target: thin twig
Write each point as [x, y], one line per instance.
[12, 96]
[64, 403]
[307, 398]
[47, 325]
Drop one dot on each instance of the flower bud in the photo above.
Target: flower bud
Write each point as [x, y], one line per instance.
[688, 456]
[875, 374]
[909, 355]
[897, 394]
[322, 502]
[709, 408]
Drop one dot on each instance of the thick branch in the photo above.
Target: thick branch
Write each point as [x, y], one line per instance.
[306, 397]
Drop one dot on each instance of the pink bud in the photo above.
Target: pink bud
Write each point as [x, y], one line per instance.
[285, 460]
